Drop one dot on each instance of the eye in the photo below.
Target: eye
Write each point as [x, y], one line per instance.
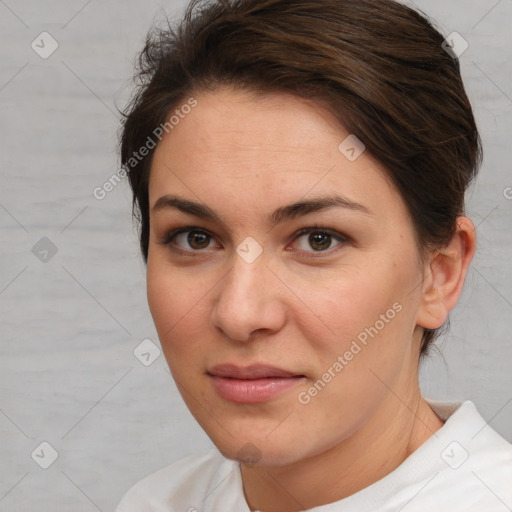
[310, 239]
[188, 239]
[319, 239]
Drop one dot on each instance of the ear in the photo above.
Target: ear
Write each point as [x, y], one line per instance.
[444, 276]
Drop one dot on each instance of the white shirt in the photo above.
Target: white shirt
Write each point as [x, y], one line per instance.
[466, 466]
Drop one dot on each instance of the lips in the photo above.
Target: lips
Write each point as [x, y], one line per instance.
[252, 384]
[250, 372]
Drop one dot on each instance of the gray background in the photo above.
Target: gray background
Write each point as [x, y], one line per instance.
[69, 325]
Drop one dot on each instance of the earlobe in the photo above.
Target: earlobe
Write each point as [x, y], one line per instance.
[445, 274]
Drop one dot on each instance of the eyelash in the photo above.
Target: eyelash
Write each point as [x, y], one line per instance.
[306, 230]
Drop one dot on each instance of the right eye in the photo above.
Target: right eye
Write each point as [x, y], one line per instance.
[188, 239]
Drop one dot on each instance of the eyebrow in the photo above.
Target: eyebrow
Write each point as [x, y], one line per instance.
[281, 214]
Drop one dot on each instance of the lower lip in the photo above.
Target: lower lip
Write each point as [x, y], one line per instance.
[253, 391]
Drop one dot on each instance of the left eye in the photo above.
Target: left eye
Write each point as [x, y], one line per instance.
[318, 239]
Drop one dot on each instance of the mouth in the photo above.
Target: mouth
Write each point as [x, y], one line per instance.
[252, 384]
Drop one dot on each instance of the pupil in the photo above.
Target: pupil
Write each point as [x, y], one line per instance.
[198, 240]
[319, 241]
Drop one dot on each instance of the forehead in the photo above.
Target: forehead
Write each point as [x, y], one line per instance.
[235, 123]
[256, 151]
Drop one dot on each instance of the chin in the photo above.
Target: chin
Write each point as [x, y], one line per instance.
[258, 450]
[250, 454]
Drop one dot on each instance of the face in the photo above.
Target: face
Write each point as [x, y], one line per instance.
[283, 277]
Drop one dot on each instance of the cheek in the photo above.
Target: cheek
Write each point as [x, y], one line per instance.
[366, 342]
[373, 308]
[161, 294]
[347, 304]
[177, 305]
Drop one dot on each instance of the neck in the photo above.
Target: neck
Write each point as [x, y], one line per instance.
[395, 431]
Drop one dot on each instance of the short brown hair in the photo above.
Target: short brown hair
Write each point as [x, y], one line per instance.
[377, 65]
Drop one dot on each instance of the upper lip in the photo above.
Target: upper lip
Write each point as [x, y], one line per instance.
[255, 371]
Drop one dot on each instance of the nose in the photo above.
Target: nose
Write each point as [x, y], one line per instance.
[249, 301]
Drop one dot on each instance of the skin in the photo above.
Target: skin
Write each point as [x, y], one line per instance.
[244, 156]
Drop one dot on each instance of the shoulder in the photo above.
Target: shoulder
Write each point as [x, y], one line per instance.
[475, 463]
[471, 436]
[466, 466]
[178, 486]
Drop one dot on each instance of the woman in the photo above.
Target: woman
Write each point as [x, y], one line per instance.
[298, 171]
